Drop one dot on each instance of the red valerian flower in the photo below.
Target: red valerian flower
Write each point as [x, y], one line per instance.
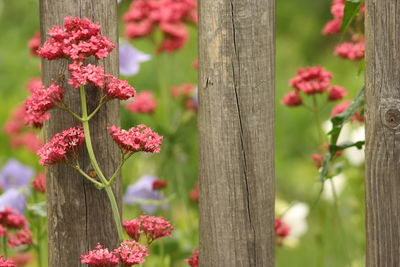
[133, 228]
[5, 262]
[159, 184]
[11, 219]
[119, 89]
[22, 237]
[311, 80]
[336, 93]
[139, 138]
[194, 193]
[337, 11]
[131, 253]
[39, 183]
[82, 75]
[34, 44]
[78, 40]
[351, 50]
[41, 100]
[282, 230]
[56, 150]
[170, 16]
[193, 261]
[155, 227]
[292, 99]
[100, 257]
[144, 102]
[114, 88]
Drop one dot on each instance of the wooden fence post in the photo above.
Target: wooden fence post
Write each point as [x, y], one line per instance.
[236, 126]
[383, 132]
[79, 215]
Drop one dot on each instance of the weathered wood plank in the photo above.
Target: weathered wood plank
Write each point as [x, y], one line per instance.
[383, 132]
[79, 215]
[236, 125]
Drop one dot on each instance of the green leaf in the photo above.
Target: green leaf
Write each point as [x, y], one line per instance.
[335, 148]
[339, 120]
[351, 9]
[39, 209]
[337, 124]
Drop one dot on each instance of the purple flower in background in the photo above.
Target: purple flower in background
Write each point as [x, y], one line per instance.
[13, 198]
[15, 175]
[130, 59]
[143, 191]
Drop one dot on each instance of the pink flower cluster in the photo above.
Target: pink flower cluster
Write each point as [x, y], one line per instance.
[354, 50]
[57, 149]
[152, 227]
[144, 102]
[41, 100]
[39, 183]
[112, 87]
[129, 253]
[14, 226]
[100, 257]
[193, 261]
[337, 11]
[5, 262]
[34, 44]
[310, 81]
[78, 40]
[169, 15]
[20, 135]
[139, 138]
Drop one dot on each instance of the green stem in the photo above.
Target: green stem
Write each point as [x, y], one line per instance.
[67, 109]
[340, 223]
[38, 246]
[93, 160]
[84, 174]
[101, 104]
[317, 119]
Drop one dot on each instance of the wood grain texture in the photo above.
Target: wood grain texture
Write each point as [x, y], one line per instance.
[383, 132]
[236, 127]
[79, 215]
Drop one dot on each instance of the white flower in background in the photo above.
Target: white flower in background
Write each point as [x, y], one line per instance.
[295, 217]
[354, 155]
[338, 181]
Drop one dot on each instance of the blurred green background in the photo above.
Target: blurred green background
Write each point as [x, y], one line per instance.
[335, 236]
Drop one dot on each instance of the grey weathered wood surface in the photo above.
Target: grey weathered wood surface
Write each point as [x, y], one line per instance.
[236, 126]
[79, 215]
[383, 132]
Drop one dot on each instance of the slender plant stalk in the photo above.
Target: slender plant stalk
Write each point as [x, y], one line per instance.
[316, 112]
[38, 246]
[93, 160]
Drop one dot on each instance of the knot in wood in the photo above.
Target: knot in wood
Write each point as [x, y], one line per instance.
[392, 118]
